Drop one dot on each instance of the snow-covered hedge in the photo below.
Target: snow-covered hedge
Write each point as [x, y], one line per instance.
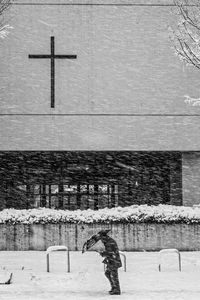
[132, 214]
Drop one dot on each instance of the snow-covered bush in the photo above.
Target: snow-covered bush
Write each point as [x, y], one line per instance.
[131, 214]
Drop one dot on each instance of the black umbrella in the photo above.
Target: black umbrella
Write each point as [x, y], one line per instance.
[93, 240]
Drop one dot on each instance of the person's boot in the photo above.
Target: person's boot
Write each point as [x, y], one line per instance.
[112, 288]
[115, 292]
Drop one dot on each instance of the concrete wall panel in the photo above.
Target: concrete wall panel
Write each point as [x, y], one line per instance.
[99, 133]
[130, 237]
[125, 66]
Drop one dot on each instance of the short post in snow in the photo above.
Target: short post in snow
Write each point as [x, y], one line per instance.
[124, 256]
[58, 248]
[164, 251]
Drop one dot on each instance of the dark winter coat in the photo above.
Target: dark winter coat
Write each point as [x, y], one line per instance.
[111, 253]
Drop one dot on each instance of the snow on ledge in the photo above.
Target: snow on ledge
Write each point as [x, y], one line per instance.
[56, 248]
[167, 214]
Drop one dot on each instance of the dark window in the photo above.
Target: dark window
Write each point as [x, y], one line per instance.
[72, 196]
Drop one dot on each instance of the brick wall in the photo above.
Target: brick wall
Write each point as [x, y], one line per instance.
[175, 167]
[191, 178]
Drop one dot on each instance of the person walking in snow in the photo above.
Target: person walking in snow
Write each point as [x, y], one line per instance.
[111, 258]
[112, 261]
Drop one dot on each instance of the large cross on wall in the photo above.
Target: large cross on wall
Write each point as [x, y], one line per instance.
[52, 56]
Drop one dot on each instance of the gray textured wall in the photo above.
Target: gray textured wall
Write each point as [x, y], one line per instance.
[125, 65]
[130, 237]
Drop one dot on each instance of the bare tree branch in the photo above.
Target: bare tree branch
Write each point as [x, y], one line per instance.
[187, 18]
[4, 5]
[187, 55]
[186, 36]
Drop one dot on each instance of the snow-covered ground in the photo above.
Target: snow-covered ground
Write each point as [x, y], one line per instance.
[87, 281]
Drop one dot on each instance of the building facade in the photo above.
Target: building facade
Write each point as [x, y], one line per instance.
[92, 107]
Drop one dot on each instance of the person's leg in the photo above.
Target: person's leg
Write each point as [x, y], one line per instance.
[108, 275]
[115, 282]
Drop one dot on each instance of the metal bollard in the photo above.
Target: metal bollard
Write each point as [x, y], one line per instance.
[124, 256]
[169, 251]
[58, 248]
